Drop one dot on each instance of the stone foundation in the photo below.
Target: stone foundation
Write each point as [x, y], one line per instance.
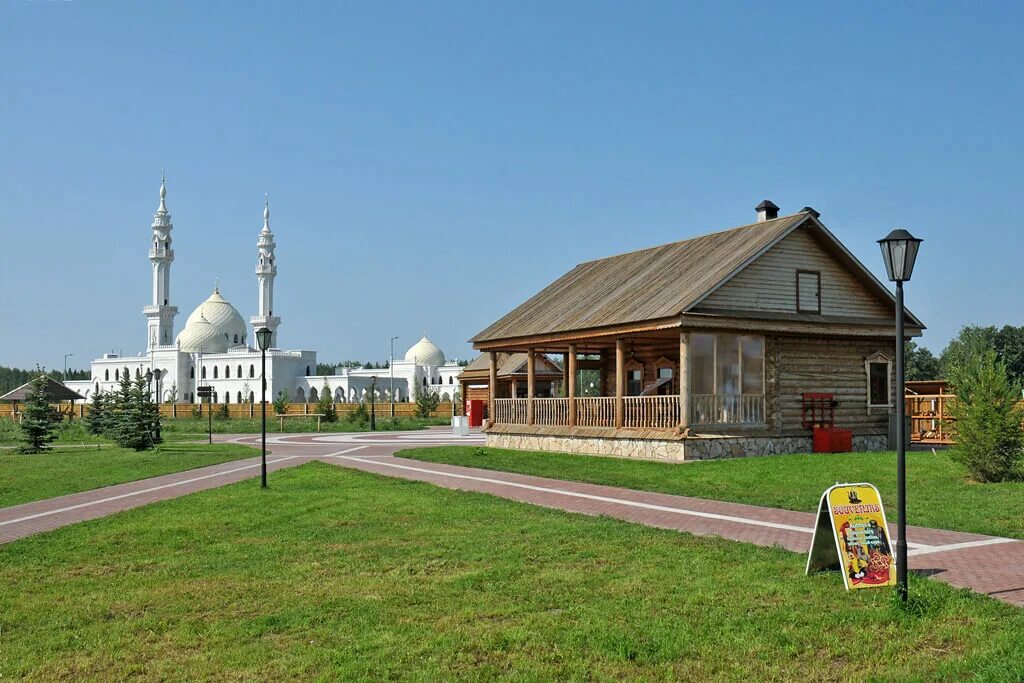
[698, 448]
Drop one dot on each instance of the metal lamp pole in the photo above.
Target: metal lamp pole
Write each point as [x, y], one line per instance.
[66, 356]
[373, 404]
[263, 341]
[901, 452]
[899, 250]
[391, 367]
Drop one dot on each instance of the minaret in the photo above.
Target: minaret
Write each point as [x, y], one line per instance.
[160, 314]
[266, 270]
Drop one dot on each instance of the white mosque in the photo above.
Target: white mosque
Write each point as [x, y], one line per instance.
[213, 348]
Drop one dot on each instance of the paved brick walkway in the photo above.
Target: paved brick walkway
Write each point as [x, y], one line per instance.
[994, 566]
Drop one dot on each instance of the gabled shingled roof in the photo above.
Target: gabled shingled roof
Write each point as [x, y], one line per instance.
[54, 390]
[655, 283]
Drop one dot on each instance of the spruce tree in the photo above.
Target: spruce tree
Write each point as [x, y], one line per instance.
[131, 426]
[325, 405]
[38, 420]
[97, 421]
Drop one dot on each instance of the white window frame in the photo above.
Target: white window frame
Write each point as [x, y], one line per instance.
[878, 357]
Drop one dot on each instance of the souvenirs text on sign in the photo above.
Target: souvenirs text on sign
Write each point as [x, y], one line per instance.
[851, 535]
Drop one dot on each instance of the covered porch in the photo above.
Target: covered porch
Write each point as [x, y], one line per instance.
[659, 382]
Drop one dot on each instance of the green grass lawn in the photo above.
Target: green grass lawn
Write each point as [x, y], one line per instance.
[25, 478]
[190, 427]
[307, 581]
[939, 493]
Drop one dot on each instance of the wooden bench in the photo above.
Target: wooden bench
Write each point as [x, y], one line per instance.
[318, 416]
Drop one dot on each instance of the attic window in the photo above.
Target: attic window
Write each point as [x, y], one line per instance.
[808, 291]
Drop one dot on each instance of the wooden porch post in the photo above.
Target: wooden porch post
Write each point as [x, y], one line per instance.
[493, 382]
[620, 383]
[684, 380]
[571, 386]
[531, 383]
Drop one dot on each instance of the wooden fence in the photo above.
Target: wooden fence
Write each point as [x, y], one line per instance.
[241, 410]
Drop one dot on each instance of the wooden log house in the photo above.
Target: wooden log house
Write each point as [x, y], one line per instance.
[707, 347]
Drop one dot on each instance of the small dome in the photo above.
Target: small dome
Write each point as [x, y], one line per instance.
[425, 352]
[214, 327]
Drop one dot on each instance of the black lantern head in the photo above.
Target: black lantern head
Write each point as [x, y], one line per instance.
[899, 250]
[263, 336]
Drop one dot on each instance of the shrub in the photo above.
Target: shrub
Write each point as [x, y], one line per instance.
[988, 419]
[221, 412]
[281, 403]
[360, 414]
[325, 405]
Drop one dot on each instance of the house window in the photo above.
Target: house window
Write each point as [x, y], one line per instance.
[192, 372]
[878, 368]
[227, 372]
[727, 382]
[634, 382]
[106, 375]
[252, 370]
[204, 373]
[808, 291]
[215, 372]
[240, 373]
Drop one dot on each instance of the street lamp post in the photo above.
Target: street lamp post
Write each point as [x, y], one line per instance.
[156, 376]
[391, 368]
[263, 336]
[66, 356]
[899, 251]
[373, 404]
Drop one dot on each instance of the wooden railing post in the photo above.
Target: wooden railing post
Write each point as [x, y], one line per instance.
[493, 381]
[684, 380]
[531, 383]
[571, 388]
[620, 383]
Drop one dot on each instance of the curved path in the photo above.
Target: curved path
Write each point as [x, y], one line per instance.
[986, 564]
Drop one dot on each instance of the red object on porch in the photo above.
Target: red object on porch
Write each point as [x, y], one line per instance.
[832, 440]
[818, 410]
[475, 411]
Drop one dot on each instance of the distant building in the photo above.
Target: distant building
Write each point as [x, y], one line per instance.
[215, 347]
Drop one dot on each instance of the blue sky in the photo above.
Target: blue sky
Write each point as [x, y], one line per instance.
[431, 165]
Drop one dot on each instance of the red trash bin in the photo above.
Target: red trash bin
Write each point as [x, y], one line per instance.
[475, 411]
[832, 440]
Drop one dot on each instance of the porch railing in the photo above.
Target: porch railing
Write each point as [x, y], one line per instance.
[652, 412]
[728, 409]
[511, 411]
[643, 412]
[595, 411]
[551, 411]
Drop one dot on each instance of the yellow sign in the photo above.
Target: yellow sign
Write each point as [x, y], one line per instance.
[851, 535]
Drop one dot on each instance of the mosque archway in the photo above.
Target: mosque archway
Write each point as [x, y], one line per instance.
[239, 397]
[252, 397]
[445, 398]
[339, 395]
[300, 395]
[227, 372]
[252, 371]
[313, 395]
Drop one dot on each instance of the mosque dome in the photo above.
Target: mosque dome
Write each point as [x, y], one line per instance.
[214, 327]
[425, 352]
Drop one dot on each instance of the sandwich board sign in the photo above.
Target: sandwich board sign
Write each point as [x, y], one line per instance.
[851, 535]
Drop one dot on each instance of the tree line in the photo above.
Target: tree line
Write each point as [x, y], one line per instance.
[1007, 343]
[12, 378]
